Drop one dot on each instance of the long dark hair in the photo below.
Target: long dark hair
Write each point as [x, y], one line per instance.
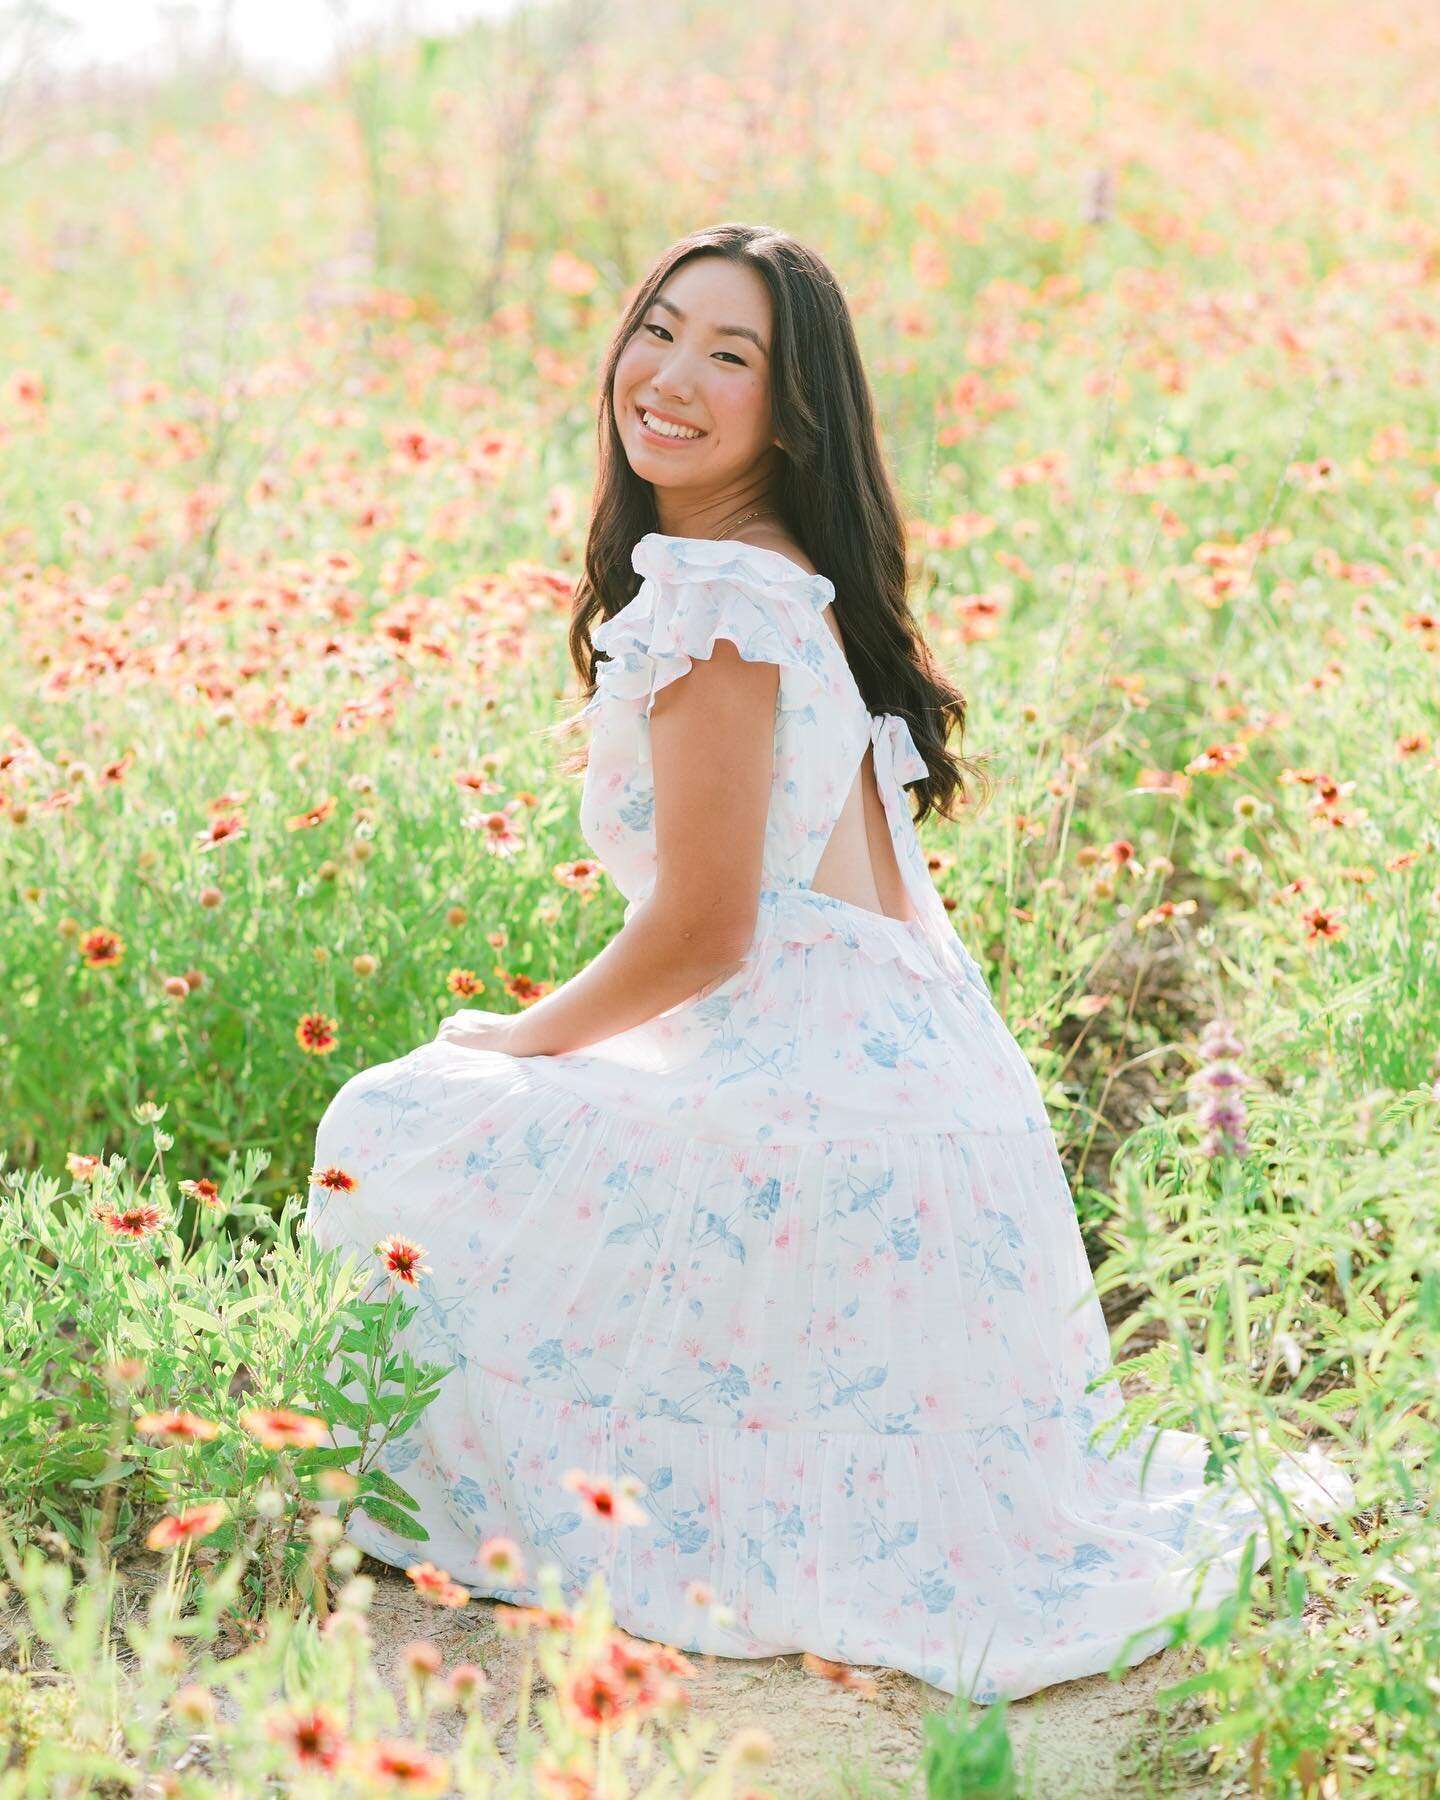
[833, 492]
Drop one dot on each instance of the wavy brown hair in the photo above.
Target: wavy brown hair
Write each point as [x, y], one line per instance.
[833, 493]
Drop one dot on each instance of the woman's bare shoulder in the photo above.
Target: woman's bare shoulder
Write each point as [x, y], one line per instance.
[782, 545]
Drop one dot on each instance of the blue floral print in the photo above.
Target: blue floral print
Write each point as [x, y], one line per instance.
[798, 1254]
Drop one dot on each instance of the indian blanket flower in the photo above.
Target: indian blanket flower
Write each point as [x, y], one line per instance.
[131, 1222]
[82, 1167]
[463, 982]
[595, 1697]
[500, 1558]
[314, 1736]
[1322, 924]
[402, 1260]
[204, 1190]
[437, 1585]
[614, 1504]
[317, 1034]
[277, 1428]
[583, 875]
[467, 1682]
[497, 832]
[422, 1658]
[841, 1674]
[221, 829]
[177, 1426]
[406, 1768]
[1214, 759]
[185, 1526]
[512, 1620]
[336, 1181]
[101, 949]
[1219, 1083]
[317, 815]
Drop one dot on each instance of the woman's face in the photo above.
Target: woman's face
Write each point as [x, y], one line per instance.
[700, 358]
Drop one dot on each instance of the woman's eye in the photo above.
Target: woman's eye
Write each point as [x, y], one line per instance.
[730, 353]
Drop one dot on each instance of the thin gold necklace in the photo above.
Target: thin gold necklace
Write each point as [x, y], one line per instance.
[734, 523]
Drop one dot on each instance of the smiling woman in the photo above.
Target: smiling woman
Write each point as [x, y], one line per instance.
[760, 1216]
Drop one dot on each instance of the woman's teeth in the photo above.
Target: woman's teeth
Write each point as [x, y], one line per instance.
[666, 429]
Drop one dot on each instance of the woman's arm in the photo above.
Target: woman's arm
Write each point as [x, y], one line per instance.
[712, 740]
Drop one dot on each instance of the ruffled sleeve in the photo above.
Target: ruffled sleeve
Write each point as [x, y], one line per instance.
[696, 591]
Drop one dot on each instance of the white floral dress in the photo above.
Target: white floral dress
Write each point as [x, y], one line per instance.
[798, 1254]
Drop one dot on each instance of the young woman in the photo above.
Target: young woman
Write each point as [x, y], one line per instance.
[761, 1210]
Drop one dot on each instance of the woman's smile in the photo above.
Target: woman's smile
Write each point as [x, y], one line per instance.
[669, 432]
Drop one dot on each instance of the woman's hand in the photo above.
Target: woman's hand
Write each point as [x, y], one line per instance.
[475, 1029]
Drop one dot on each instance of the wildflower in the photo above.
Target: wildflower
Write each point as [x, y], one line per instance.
[314, 1736]
[1121, 852]
[1215, 759]
[210, 897]
[497, 830]
[193, 1705]
[630, 1662]
[582, 874]
[82, 1167]
[1167, 909]
[402, 1259]
[753, 1746]
[181, 1528]
[614, 1505]
[125, 1371]
[337, 1181]
[317, 1034]
[456, 917]
[422, 1658]
[500, 1558]
[316, 815]
[133, 1222]
[178, 1426]
[101, 949]
[1322, 924]
[204, 1190]
[595, 1696]
[1219, 1082]
[467, 1683]
[176, 987]
[840, 1673]
[277, 1428]
[512, 1620]
[570, 1779]
[437, 1585]
[463, 982]
[365, 963]
[407, 1768]
[221, 829]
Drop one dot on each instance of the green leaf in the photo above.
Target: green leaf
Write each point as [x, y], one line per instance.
[386, 1514]
[194, 1315]
[349, 1412]
[376, 1481]
[325, 1456]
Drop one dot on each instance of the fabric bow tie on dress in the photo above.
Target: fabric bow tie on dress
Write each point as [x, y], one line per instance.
[895, 755]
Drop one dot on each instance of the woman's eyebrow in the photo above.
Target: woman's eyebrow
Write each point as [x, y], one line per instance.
[720, 330]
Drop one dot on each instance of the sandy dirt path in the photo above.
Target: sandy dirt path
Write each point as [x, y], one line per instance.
[1093, 1739]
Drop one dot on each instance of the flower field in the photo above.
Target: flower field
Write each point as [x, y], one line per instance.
[296, 442]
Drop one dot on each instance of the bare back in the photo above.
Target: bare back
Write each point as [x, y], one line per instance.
[858, 862]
